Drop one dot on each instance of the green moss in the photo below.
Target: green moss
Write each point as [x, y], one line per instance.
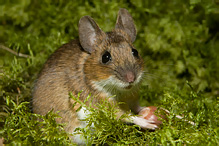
[23, 127]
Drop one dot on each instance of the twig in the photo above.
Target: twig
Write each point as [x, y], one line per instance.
[180, 117]
[13, 52]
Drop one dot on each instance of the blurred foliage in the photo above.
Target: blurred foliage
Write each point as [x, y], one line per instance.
[177, 39]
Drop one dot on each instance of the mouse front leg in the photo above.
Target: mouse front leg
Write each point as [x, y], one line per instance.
[143, 123]
[137, 120]
[134, 106]
[140, 121]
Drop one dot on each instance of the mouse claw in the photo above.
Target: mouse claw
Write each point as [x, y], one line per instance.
[145, 124]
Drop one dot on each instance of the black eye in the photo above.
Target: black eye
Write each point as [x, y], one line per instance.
[135, 53]
[106, 57]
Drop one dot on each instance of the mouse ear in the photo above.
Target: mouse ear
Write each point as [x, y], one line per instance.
[89, 33]
[126, 23]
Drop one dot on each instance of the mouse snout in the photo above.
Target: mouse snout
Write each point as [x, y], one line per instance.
[129, 76]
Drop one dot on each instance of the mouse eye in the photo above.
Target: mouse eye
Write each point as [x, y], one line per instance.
[106, 57]
[135, 53]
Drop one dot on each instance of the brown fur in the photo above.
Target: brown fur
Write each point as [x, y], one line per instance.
[77, 65]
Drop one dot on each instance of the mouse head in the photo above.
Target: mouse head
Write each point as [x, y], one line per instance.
[113, 62]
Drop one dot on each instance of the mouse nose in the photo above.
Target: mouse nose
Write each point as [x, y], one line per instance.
[130, 77]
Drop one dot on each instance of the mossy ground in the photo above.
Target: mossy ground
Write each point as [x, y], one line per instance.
[178, 41]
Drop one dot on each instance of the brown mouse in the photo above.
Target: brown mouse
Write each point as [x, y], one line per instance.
[101, 64]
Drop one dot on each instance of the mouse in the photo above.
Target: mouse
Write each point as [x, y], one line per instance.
[105, 65]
